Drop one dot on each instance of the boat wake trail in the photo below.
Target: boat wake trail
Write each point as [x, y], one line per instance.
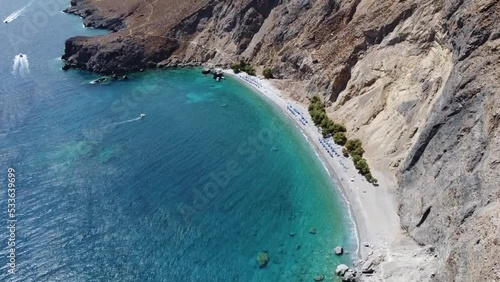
[16, 14]
[123, 122]
[21, 65]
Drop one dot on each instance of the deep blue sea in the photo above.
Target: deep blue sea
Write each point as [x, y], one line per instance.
[211, 176]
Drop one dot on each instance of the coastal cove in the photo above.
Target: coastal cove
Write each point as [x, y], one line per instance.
[132, 165]
[209, 178]
[371, 208]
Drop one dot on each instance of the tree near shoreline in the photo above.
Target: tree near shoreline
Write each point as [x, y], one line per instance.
[345, 152]
[353, 147]
[267, 73]
[243, 66]
[340, 138]
[321, 119]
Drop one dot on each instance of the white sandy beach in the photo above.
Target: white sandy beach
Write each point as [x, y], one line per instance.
[372, 208]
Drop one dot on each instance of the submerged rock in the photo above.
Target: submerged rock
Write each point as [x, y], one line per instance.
[262, 259]
[313, 230]
[319, 278]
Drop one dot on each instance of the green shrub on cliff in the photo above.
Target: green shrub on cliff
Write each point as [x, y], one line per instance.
[340, 138]
[362, 166]
[337, 127]
[250, 70]
[355, 147]
[326, 123]
[316, 104]
[315, 99]
[320, 118]
[371, 179]
[334, 128]
[356, 159]
[345, 152]
[268, 73]
[243, 66]
[236, 68]
[324, 132]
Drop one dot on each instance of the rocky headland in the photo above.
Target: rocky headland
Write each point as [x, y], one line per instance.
[417, 81]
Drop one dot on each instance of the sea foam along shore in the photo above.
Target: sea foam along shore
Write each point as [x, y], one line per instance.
[372, 209]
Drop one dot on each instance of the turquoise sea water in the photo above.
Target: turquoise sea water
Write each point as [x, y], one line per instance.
[211, 176]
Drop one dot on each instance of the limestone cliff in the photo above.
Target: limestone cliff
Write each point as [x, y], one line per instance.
[416, 80]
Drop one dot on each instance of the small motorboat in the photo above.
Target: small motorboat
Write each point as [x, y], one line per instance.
[99, 80]
[142, 116]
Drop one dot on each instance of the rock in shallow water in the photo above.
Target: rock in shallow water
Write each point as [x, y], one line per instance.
[319, 278]
[341, 269]
[262, 259]
[338, 250]
[349, 276]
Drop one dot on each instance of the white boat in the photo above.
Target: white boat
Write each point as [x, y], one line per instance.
[142, 116]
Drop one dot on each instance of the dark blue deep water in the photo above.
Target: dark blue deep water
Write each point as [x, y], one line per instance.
[193, 192]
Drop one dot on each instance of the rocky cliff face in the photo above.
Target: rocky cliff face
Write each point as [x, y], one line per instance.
[449, 181]
[416, 80]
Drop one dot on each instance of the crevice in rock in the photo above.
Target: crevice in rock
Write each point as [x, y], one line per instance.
[252, 17]
[424, 216]
[263, 7]
[374, 37]
[479, 40]
[371, 37]
[352, 11]
[454, 8]
[190, 24]
[468, 214]
[419, 152]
